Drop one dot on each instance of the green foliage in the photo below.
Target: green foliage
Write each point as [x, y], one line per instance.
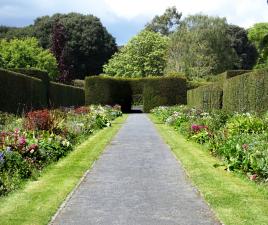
[166, 23]
[26, 53]
[88, 45]
[163, 91]
[247, 92]
[201, 46]
[206, 97]
[258, 34]
[20, 92]
[65, 95]
[240, 140]
[244, 48]
[108, 91]
[144, 55]
[46, 137]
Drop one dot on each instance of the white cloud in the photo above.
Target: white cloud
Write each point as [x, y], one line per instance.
[134, 12]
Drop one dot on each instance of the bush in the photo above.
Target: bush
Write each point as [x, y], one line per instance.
[20, 92]
[26, 53]
[65, 95]
[163, 91]
[240, 140]
[206, 97]
[247, 92]
[108, 91]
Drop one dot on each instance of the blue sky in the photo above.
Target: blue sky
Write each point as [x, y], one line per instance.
[124, 18]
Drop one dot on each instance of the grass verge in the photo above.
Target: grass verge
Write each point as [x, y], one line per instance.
[234, 199]
[39, 200]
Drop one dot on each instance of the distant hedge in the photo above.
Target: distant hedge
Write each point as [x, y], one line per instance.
[163, 91]
[154, 91]
[247, 92]
[65, 95]
[206, 97]
[20, 92]
[108, 91]
[229, 74]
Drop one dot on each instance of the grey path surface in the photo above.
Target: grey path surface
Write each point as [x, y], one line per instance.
[137, 181]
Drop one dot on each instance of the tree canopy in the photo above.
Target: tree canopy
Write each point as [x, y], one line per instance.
[201, 46]
[244, 48]
[166, 23]
[258, 34]
[88, 45]
[144, 55]
[26, 53]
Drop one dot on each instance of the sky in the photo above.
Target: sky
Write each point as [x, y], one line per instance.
[125, 18]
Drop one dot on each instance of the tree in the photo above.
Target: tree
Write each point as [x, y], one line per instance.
[201, 46]
[88, 47]
[142, 56]
[88, 44]
[58, 49]
[26, 53]
[244, 48]
[258, 34]
[166, 23]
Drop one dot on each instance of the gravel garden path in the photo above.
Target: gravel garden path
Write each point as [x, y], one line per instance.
[137, 181]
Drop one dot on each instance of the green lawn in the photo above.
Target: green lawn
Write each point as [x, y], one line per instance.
[37, 202]
[234, 199]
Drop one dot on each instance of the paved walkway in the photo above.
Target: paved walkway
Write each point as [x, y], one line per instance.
[137, 181]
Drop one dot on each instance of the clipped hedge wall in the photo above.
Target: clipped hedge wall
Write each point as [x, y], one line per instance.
[163, 91]
[206, 97]
[65, 95]
[247, 92]
[228, 74]
[20, 92]
[108, 91]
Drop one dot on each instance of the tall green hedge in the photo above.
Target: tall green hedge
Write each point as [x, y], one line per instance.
[20, 92]
[163, 91]
[206, 97]
[108, 91]
[247, 92]
[154, 91]
[65, 95]
[228, 74]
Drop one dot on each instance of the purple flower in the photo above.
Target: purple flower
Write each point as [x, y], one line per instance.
[2, 157]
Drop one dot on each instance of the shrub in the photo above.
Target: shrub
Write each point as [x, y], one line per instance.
[247, 92]
[20, 92]
[206, 97]
[163, 91]
[65, 95]
[26, 53]
[108, 91]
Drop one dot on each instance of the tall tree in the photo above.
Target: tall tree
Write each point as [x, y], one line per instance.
[89, 45]
[59, 40]
[244, 48]
[258, 34]
[144, 55]
[201, 46]
[166, 23]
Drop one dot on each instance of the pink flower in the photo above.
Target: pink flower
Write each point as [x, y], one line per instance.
[22, 141]
[245, 147]
[253, 177]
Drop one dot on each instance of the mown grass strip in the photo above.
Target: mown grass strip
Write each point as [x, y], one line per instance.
[37, 202]
[234, 199]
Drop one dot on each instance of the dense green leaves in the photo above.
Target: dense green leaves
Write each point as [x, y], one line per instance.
[166, 23]
[244, 48]
[201, 46]
[88, 47]
[26, 53]
[258, 34]
[142, 56]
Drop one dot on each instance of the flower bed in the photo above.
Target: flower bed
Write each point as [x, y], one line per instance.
[30, 143]
[240, 140]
